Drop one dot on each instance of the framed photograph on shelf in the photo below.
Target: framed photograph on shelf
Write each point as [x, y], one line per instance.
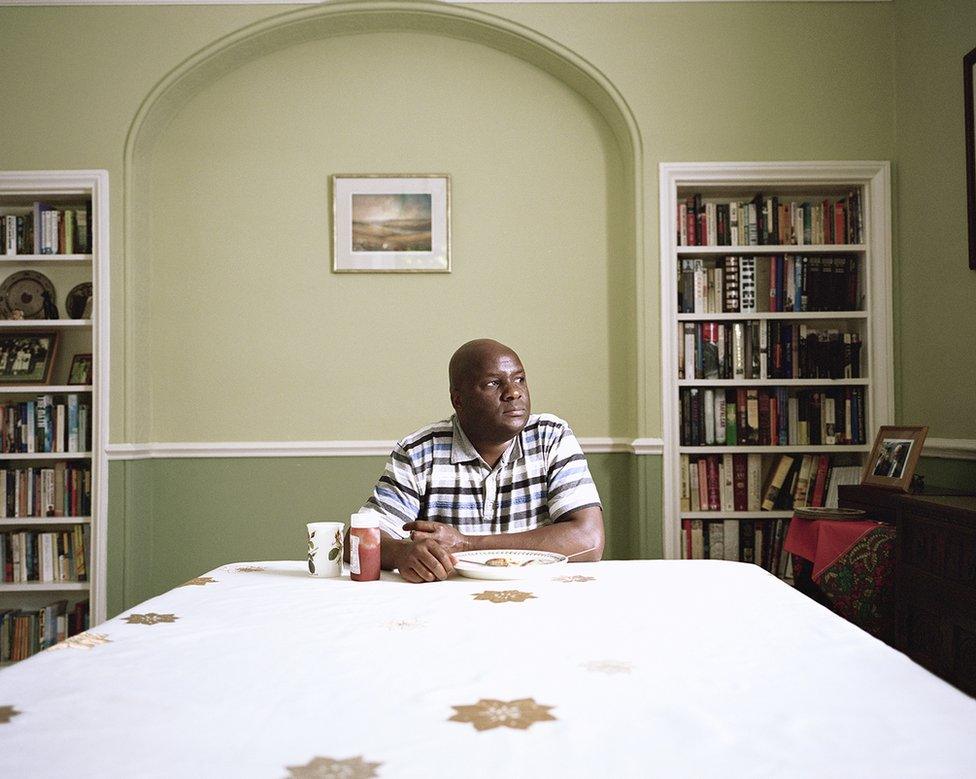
[81, 369]
[969, 85]
[894, 456]
[391, 223]
[27, 358]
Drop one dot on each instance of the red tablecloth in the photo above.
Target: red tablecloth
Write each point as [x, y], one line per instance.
[823, 541]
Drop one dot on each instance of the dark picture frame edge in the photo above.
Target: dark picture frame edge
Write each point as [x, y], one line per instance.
[969, 64]
[50, 358]
[78, 359]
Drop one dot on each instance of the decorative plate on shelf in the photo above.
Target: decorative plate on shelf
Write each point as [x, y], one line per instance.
[500, 564]
[78, 303]
[24, 292]
[814, 512]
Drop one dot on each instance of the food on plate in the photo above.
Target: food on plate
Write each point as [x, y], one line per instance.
[499, 562]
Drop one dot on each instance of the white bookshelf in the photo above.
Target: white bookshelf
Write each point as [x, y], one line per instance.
[791, 181]
[64, 190]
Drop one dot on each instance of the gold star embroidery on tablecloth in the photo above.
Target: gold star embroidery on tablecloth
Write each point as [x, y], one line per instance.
[150, 619]
[7, 713]
[608, 667]
[249, 569]
[504, 596]
[84, 640]
[329, 768]
[488, 713]
[199, 581]
[574, 579]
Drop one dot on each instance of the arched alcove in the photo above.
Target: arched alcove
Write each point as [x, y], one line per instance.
[176, 256]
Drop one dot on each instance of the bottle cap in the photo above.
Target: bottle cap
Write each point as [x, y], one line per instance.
[365, 519]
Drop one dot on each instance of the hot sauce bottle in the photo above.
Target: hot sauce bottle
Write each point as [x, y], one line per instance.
[364, 547]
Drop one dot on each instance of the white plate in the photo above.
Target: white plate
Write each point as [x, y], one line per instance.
[522, 563]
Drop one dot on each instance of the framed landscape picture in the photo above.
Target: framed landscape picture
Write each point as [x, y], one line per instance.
[894, 456]
[27, 358]
[391, 223]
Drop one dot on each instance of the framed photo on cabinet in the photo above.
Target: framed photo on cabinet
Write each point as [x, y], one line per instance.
[391, 223]
[894, 456]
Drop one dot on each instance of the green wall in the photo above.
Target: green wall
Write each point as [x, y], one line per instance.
[228, 326]
[188, 516]
[935, 313]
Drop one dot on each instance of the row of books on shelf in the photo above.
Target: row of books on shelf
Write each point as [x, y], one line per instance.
[767, 350]
[46, 425]
[748, 482]
[739, 540]
[59, 490]
[43, 229]
[750, 416]
[26, 632]
[766, 220]
[45, 555]
[774, 283]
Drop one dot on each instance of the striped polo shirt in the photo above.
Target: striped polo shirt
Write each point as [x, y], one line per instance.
[436, 474]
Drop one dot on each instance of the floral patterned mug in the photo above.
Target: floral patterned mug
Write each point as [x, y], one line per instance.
[325, 548]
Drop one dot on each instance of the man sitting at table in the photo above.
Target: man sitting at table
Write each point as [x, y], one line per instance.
[493, 476]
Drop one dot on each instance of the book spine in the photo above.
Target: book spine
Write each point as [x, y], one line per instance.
[776, 482]
[685, 483]
[714, 483]
[747, 285]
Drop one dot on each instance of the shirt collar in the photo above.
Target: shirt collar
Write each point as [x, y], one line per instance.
[463, 451]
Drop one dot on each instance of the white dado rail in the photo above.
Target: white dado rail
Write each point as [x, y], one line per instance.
[944, 448]
[166, 451]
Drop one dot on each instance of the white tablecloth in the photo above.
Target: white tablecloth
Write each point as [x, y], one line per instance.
[644, 668]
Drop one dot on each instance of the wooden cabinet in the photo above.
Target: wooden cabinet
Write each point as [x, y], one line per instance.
[935, 577]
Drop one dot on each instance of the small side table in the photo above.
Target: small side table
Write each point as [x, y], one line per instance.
[848, 567]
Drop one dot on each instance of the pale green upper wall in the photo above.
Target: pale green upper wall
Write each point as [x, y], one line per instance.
[239, 242]
[936, 307]
[726, 81]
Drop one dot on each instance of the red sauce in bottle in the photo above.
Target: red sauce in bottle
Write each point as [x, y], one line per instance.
[364, 547]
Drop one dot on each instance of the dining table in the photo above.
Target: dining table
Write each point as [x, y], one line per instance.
[632, 668]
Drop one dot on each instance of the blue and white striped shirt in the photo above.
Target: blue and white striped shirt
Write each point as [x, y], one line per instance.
[436, 474]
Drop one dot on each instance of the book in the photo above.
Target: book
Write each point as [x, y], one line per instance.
[702, 484]
[746, 540]
[820, 481]
[716, 540]
[683, 466]
[747, 285]
[778, 477]
[694, 494]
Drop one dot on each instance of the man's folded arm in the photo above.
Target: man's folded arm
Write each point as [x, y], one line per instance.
[579, 530]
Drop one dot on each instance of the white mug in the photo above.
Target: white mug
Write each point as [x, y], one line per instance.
[325, 548]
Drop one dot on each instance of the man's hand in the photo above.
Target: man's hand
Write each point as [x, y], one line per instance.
[424, 560]
[445, 535]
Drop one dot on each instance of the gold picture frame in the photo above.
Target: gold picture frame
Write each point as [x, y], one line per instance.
[391, 223]
[894, 456]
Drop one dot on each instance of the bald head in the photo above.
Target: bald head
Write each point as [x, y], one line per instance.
[489, 393]
[470, 358]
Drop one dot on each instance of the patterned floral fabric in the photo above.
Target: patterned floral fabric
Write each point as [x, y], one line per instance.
[858, 584]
